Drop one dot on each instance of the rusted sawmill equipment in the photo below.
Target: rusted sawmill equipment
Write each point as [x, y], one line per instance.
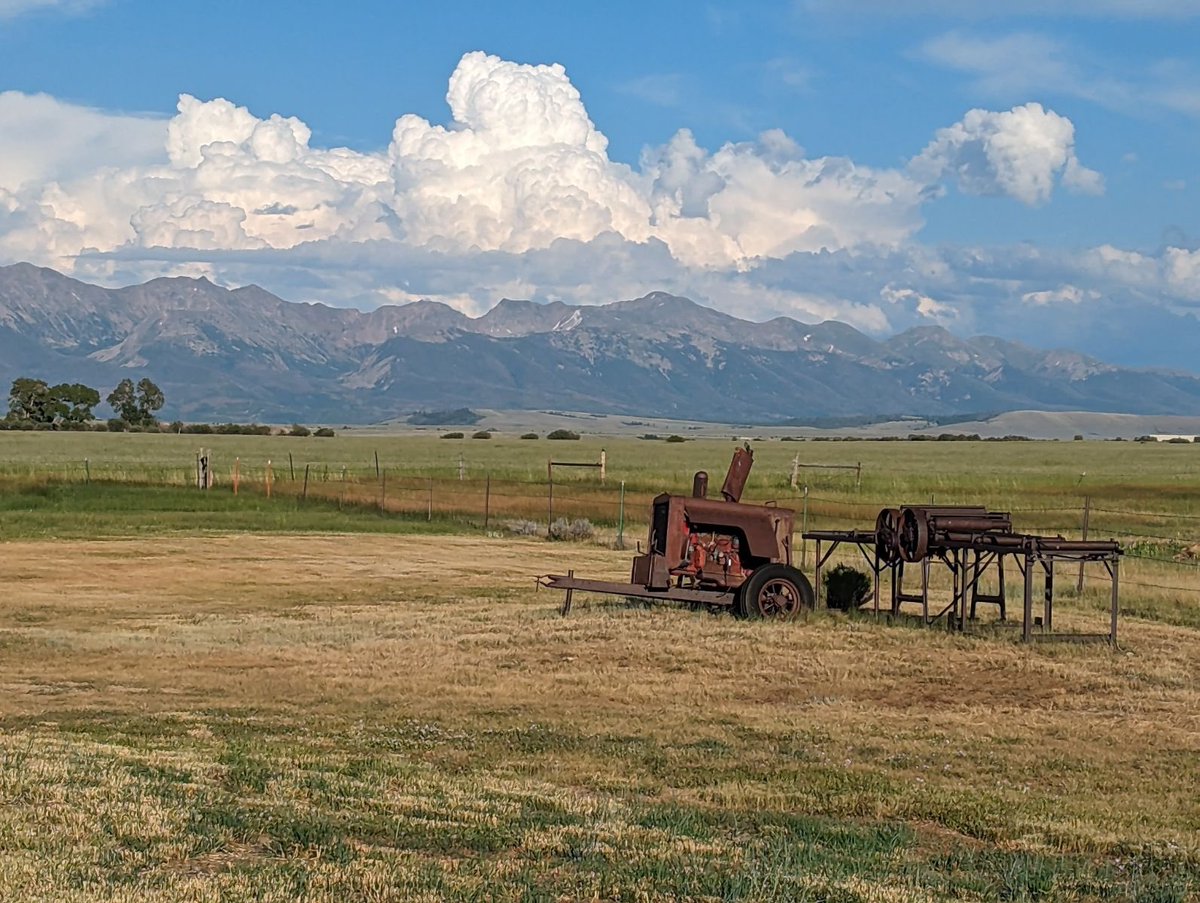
[721, 552]
[908, 534]
[970, 542]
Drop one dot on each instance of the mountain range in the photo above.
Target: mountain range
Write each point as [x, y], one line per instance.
[244, 354]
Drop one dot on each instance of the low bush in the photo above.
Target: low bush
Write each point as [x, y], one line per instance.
[452, 435]
[578, 529]
[529, 435]
[482, 434]
[324, 433]
[523, 527]
[676, 439]
[562, 434]
[298, 430]
[846, 588]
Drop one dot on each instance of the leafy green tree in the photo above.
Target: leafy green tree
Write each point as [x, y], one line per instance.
[73, 402]
[123, 400]
[136, 405]
[150, 401]
[30, 400]
[33, 401]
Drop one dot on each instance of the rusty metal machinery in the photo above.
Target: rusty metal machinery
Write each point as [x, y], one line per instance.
[718, 552]
[969, 541]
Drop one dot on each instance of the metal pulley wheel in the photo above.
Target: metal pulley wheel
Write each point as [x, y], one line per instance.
[914, 534]
[887, 536]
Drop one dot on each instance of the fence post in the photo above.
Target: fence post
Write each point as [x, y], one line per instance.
[304, 492]
[383, 492]
[621, 519]
[1087, 510]
[487, 501]
[803, 530]
[429, 512]
[858, 475]
[795, 469]
[237, 474]
[603, 465]
[291, 467]
[87, 470]
[377, 472]
[462, 468]
[268, 477]
[550, 497]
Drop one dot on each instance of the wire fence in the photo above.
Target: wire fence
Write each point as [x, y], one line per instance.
[1165, 542]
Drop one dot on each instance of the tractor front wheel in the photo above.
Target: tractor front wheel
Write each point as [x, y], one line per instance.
[775, 591]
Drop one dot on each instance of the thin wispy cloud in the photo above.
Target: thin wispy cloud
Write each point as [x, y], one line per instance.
[989, 9]
[663, 90]
[11, 9]
[1004, 67]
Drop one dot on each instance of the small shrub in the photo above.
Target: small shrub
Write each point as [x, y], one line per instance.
[653, 437]
[576, 530]
[298, 430]
[324, 433]
[676, 439]
[523, 527]
[562, 434]
[117, 425]
[529, 435]
[846, 588]
[452, 435]
[201, 428]
[482, 434]
[175, 427]
[1079, 437]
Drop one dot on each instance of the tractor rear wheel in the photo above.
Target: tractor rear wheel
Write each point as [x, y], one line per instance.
[775, 591]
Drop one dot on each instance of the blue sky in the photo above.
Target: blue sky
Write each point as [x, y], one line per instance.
[811, 158]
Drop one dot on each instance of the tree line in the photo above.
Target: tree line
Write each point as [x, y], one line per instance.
[35, 404]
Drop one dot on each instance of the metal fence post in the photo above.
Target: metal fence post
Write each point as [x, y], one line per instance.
[1087, 510]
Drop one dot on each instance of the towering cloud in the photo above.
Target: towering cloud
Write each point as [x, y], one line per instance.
[519, 167]
[1020, 153]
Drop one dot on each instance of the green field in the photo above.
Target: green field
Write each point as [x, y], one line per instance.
[358, 696]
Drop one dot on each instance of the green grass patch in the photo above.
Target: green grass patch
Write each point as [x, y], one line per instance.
[111, 509]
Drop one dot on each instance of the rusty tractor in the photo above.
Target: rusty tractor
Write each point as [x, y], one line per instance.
[720, 552]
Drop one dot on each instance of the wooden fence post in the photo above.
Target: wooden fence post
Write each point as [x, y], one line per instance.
[487, 501]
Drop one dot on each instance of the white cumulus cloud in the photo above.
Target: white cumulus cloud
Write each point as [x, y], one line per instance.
[1020, 153]
[518, 170]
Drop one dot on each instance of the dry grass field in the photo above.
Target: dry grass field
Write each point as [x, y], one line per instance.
[334, 717]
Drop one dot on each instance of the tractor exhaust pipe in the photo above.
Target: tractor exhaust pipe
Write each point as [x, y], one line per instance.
[739, 473]
[700, 485]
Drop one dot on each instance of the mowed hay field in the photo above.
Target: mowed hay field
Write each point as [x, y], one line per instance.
[243, 706]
